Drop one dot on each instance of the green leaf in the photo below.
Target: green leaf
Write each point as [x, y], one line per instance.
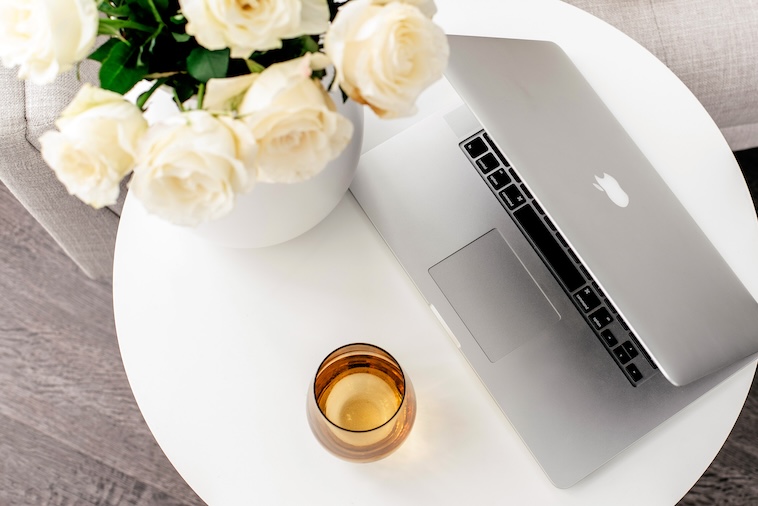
[103, 51]
[108, 29]
[118, 73]
[309, 45]
[113, 27]
[109, 10]
[254, 67]
[181, 37]
[204, 65]
[184, 88]
[152, 6]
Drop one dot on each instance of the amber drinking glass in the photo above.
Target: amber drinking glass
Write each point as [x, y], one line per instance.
[361, 406]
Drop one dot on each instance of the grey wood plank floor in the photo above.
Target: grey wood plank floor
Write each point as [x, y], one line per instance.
[70, 430]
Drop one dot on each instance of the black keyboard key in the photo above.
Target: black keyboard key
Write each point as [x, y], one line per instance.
[634, 373]
[498, 179]
[538, 208]
[526, 192]
[601, 318]
[587, 299]
[621, 354]
[598, 290]
[512, 197]
[642, 350]
[515, 176]
[608, 338]
[623, 323]
[585, 272]
[630, 349]
[475, 147]
[487, 163]
[550, 224]
[496, 150]
[546, 243]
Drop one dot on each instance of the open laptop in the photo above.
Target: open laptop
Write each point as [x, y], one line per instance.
[580, 290]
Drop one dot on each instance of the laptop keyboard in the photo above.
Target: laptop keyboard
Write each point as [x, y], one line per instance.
[602, 317]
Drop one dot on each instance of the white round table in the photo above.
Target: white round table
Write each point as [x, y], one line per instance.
[220, 345]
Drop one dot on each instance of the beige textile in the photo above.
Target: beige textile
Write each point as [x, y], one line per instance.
[711, 45]
[26, 111]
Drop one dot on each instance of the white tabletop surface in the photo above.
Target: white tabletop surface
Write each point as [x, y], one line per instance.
[219, 345]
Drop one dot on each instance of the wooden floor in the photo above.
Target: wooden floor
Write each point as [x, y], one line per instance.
[70, 431]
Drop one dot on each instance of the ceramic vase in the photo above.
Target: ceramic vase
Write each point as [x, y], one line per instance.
[272, 213]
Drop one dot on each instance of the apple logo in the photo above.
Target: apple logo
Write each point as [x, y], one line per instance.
[612, 188]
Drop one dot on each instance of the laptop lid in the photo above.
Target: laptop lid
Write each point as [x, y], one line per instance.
[671, 286]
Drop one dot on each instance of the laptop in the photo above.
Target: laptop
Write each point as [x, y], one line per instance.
[577, 286]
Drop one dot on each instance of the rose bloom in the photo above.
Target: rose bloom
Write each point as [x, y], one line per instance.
[94, 148]
[190, 167]
[293, 119]
[386, 53]
[224, 96]
[46, 37]
[427, 7]
[252, 25]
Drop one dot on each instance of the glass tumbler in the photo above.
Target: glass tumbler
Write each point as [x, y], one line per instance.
[361, 406]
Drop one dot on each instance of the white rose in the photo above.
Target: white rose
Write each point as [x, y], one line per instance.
[252, 25]
[95, 146]
[427, 7]
[225, 95]
[294, 121]
[46, 37]
[190, 167]
[386, 53]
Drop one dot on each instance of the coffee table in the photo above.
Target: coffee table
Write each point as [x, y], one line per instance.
[219, 345]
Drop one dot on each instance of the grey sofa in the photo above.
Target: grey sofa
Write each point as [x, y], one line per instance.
[712, 45]
[87, 235]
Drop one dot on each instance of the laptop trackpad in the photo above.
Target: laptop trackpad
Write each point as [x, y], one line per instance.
[494, 295]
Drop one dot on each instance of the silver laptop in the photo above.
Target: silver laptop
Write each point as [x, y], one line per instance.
[580, 290]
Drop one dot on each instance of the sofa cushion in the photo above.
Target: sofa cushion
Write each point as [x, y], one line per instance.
[45, 103]
[711, 45]
[85, 234]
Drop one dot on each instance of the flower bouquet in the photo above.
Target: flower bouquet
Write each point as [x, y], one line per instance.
[250, 80]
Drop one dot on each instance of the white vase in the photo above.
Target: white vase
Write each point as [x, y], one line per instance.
[273, 213]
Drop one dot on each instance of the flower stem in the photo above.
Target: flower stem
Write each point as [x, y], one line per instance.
[143, 98]
[112, 26]
[154, 12]
[178, 102]
[200, 95]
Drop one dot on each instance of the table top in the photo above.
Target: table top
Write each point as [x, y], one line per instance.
[220, 345]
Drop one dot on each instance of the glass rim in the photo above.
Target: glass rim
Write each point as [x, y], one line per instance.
[402, 400]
